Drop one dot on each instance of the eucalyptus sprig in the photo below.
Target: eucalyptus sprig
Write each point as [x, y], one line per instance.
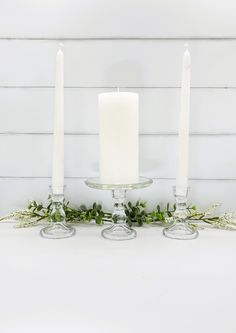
[137, 214]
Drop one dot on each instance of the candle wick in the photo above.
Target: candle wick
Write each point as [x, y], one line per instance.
[61, 45]
[186, 46]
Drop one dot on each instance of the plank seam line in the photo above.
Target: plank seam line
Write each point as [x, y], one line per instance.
[111, 87]
[165, 134]
[123, 38]
[154, 178]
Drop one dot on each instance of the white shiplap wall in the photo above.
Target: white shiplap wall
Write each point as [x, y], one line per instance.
[138, 46]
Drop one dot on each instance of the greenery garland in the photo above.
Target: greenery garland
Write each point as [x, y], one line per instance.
[137, 214]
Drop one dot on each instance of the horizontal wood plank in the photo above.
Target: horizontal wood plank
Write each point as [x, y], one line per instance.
[31, 110]
[15, 193]
[136, 63]
[126, 18]
[211, 157]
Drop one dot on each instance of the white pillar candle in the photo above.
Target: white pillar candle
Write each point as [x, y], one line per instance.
[58, 136]
[183, 140]
[118, 136]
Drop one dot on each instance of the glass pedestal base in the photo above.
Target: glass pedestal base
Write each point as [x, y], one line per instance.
[57, 230]
[180, 231]
[119, 232]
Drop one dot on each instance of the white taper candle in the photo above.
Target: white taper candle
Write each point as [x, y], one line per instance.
[118, 136]
[183, 139]
[58, 136]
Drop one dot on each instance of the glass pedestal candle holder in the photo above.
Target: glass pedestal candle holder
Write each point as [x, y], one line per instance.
[180, 228]
[58, 228]
[119, 230]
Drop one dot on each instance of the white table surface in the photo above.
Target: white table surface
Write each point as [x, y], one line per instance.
[87, 284]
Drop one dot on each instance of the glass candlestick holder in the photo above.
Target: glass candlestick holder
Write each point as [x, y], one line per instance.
[180, 228]
[119, 230]
[58, 228]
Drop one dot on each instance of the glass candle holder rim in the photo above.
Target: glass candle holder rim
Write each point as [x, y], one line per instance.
[57, 189]
[95, 182]
[180, 191]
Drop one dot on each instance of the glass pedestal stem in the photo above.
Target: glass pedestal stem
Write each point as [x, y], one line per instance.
[119, 215]
[180, 229]
[120, 230]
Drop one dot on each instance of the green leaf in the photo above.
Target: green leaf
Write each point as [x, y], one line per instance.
[40, 207]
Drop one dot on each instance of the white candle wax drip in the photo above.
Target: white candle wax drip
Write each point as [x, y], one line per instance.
[118, 137]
